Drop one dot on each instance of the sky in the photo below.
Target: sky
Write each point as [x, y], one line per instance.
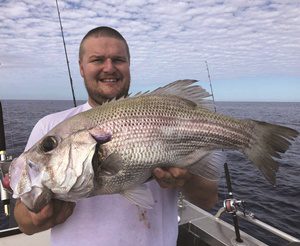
[252, 47]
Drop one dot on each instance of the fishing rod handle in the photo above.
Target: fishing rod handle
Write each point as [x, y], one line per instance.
[2, 135]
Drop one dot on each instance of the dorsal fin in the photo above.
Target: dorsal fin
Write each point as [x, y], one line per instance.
[185, 89]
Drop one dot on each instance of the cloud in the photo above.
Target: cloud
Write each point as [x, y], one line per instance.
[168, 39]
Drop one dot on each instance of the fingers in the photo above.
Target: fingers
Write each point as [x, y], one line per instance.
[172, 177]
[42, 217]
[164, 178]
[63, 210]
[54, 213]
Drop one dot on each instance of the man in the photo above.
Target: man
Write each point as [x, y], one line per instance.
[104, 62]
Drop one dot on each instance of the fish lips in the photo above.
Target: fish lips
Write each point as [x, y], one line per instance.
[36, 199]
[17, 173]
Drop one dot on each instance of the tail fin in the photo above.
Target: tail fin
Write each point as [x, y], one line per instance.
[267, 142]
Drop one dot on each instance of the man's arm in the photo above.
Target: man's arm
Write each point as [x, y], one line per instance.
[200, 191]
[54, 213]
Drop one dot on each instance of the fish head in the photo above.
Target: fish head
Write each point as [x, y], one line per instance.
[54, 167]
[26, 184]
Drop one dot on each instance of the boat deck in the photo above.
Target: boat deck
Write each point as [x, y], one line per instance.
[196, 228]
[199, 228]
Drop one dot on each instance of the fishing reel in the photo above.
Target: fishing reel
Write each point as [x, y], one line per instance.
[232, 205]
[4, 183]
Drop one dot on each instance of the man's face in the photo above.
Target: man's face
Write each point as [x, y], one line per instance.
[104, 67]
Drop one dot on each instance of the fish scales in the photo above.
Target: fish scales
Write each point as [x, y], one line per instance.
[172, 117]
[161, 131]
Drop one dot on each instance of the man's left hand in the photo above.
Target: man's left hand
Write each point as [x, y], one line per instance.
[196, 189]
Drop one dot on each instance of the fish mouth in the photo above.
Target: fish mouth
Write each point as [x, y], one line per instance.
[17, 171]
[4, 176]
[25, 181]
[36, 199]
[6, 183]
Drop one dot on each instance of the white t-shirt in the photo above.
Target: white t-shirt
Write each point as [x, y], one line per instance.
[111, 219]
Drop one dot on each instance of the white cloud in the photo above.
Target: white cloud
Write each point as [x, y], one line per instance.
[168, 39]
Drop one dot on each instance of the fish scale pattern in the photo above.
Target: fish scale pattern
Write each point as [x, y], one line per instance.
[157, 130]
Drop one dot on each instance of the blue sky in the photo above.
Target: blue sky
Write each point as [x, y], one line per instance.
[252, 47]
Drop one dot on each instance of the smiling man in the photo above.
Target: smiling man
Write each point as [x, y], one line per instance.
[104, 62]
[104, 65]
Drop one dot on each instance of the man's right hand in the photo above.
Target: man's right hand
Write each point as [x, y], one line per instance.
[54, 213]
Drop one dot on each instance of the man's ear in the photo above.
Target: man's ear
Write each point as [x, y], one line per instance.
[80, 68]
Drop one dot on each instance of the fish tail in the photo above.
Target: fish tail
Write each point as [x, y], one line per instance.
[267, 142]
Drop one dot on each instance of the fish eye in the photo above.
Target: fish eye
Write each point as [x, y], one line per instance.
[49, 143]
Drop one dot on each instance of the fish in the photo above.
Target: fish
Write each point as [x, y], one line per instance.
[114, 148]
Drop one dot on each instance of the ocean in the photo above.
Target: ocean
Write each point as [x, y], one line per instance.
[278, 206]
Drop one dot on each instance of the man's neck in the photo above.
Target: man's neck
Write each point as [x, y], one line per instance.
[92, 103]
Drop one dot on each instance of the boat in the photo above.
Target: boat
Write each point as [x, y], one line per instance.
[196, 228]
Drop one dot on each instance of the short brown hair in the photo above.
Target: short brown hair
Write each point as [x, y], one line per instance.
[103, 31]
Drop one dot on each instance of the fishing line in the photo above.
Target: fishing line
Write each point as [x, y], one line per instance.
[66, 54]
[211, 89]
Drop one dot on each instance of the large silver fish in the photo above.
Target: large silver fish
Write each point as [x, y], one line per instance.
[114, 148]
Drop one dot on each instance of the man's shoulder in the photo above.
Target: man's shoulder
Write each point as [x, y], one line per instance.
[51, 120]
[45, 124]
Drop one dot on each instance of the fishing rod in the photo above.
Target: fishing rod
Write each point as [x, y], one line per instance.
[66, 54]
[180, 202]
[231, 204]
[238, 207]
[3, 163]
[210, 84]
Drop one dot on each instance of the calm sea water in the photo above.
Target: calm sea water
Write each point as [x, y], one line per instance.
[279, 206]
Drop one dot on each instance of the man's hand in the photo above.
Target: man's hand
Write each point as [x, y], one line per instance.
[198, 190]
[54, 213]
[172, 177]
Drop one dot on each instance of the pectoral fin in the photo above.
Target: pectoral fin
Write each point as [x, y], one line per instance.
[141, 196]
[111, 165]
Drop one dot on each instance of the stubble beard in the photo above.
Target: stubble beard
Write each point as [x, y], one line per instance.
[100, 99]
